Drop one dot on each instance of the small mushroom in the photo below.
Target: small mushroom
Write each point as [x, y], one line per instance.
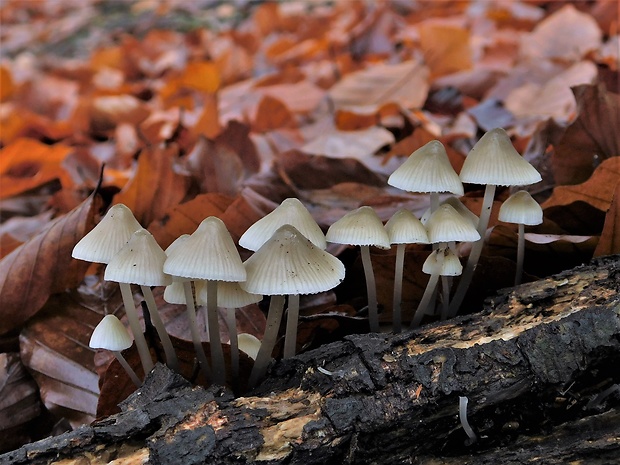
[110, 334]
[520, 208]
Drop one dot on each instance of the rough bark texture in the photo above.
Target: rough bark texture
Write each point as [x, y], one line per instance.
[531, 364]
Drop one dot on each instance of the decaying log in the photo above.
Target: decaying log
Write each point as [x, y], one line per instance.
[535, 364]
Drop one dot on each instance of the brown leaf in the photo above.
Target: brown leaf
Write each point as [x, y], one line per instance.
[43, 266]
[155, 187]
[446, 47]
[610, 237]
[592, 135]
[272, 114]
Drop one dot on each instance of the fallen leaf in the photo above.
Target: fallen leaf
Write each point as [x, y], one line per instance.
[43, 266]
[550, 238]
[203, 76]
[446, 47]
[359, 144]
[609, 242]
[271, 114]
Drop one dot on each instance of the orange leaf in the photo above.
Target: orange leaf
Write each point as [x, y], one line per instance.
[202, 75]
[43, 266]
[445, 47]
[6, 84]
[352, 121]
[208, 125]
[155, 186]
[610, 238]
[272, 114]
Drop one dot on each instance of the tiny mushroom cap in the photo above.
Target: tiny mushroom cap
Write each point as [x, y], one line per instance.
[494, 160]
[249, 344]
[521, 208]
[443, 262]
[359, 227]
[404, 228]
[288, 263]
[229, 295]
[110, 334]
[108, 237]
[209, 253]
[428, 169]
[290, 211]
[140, 261]
[446, 225]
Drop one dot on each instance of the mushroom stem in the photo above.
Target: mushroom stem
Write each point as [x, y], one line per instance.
[429, 292]
[196, 339]
[171, 356]
[263, 357]
[520, 254]
[445, 294]
[464, 423]
[474, 256]
[398, 288]
[134, 324]
[371, 289]
[217, 354]
[434, 201]
[127, 368]
[290, 338]
[231, 323]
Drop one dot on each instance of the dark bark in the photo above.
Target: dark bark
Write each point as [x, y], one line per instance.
[531, 364]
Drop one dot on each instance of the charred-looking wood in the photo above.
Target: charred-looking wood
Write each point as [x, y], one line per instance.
[530, 363]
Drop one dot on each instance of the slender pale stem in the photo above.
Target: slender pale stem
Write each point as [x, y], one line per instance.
[231, 323]
[426, 300]
[520, 254]
[193, 327]
[445, 295]
[171, 356]
[290, 338]
[217, 354]
[371, 289]
[274, 316]
[474, 256]
[398, 288]
[134, 324]
[434, 201]
[127, 368]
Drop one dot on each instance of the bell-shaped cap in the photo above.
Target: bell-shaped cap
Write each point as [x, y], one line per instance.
[290, 211]
[175, 293]
[521, 208]
[110, 334]
[140, 261]
[494, 160]
[458, 206]
[428, 169]
[443, 262]
[176, 279]
[249, 344]
[229, 295]
[446, 225]
[288, 263]
[209, 253]
[359, 227]
[108, 237]
[404, 228]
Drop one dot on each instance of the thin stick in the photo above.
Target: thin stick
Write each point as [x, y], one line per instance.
[193, 327]
[270, 337]
[171, 357]
[520, 254]
[290, 338]
[371, 289]
[128, 369]
[134, 324]
[217, 354]
[398, 288]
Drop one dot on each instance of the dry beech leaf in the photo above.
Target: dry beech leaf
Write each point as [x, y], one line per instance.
[446, 47]
[592, 134]
[236, 135]
[597, 191]
[271, 114]
[203, 76]
[43, 266]
[359, 144]
[550, 238]
[155, 187]
[609, 242]
[578, 218]
[404, 83]
[19, 403]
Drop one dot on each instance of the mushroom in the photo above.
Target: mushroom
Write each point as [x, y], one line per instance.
[403, 228]
[520, 208]
[288, 263]
[110, 334]
[209, 254]
[364, 228]
[249, 345]
[493, 161]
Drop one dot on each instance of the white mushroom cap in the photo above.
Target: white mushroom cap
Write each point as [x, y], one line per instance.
[209, 253]
[175, 293]
[446, 225]
[359, 227]
[108, 237]
[249, 344]
[494, 160]
[229, 295]
[290, 211]
[176, 279]
[404, 228]
[521, 208]
[288, 263]
[110, 334]
[428, 169]
[140, 261]
[443, 262]
[458, 206]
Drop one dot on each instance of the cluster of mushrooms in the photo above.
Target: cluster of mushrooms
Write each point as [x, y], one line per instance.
[290, 260]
